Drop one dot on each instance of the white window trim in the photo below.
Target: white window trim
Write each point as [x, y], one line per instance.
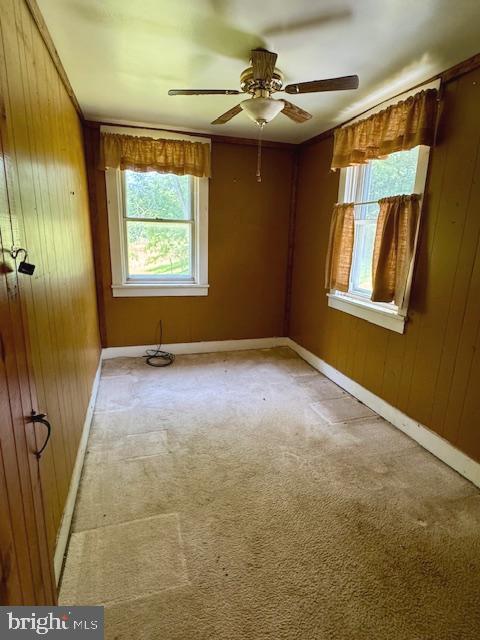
[367, 310]
[121, 286]
[379, 313]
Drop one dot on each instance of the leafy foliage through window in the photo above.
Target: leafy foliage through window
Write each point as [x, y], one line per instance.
[159, 221]
[365, 185]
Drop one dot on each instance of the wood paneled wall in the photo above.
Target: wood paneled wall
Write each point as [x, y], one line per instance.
[248, 246]
[432, 372]
[47, 190]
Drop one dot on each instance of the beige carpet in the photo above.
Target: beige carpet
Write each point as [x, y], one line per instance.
[242, 495]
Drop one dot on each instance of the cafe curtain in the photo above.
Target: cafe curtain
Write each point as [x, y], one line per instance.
[394, 247]
[136, 153]
[340, 247]
[400, 127]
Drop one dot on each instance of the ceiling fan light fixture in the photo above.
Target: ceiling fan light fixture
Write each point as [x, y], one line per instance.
[262, 110]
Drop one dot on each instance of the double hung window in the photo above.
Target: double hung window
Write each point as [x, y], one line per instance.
[158, 225]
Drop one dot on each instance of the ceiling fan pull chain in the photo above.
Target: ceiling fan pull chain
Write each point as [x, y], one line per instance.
[259, 153]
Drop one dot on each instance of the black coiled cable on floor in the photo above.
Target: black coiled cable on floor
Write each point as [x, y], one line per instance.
[158, 357]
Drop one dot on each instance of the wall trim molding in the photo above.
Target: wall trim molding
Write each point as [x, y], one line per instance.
[183, 348]
[64, 531]
[429, 440]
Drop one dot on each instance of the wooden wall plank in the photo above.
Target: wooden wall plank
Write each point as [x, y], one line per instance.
[248, 255]
[468, 434]
[447, 247]
[456, 418]
[46, 233]
[30, 236]
[10, 585]
[21, 339]
[394, 356]
[18, 578]
[46, 178]
[43, 31]
[462, 290]
[431, 372]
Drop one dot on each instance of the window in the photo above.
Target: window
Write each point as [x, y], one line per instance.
[158, 233]
[365, 185]
[159, 226]
[399, 173]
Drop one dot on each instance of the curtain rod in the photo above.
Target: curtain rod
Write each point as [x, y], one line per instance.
[360, 204]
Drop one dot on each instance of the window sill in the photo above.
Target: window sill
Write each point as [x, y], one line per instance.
[367, 311]
[148, 290]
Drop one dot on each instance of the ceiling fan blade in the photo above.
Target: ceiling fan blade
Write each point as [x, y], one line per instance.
[263, 63]
[295, 113]
[308, 23]
[203, 92]
[228, 115]
[331, 84]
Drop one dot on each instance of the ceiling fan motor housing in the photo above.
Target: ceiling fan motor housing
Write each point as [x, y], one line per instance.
[249, 84]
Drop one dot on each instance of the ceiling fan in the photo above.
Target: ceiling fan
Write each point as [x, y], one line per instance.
[261, 80]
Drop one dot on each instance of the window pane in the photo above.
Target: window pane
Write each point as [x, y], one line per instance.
[367, 211]
[363, 255]
[158, 195]
[159, 248]
[391, 176]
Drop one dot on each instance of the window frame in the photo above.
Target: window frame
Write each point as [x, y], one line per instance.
[386, 315]
[192, 221]
[124, 285]
[354, 189]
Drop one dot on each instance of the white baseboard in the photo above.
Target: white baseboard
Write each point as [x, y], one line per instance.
[182, 348]
[429, 440]
[64, 531]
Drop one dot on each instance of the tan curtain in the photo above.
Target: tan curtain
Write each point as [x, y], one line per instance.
[400, 127]
[340, 247]
[394, 247]
[147, 154]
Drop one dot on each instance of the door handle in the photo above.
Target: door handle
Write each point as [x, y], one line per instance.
[41, 418]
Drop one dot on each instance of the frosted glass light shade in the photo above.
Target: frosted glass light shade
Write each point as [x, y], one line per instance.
[262, 109]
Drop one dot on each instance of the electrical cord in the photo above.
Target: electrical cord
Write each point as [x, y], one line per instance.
[157, 357]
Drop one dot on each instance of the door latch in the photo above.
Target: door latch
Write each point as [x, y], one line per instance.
[42, 419]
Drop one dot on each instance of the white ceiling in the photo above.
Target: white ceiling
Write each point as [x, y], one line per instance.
[122, 56]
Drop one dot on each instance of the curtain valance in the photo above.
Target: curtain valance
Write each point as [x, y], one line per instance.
[400, 127]
[136, 153]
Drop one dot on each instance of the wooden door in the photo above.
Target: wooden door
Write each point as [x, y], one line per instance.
[26, 571]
